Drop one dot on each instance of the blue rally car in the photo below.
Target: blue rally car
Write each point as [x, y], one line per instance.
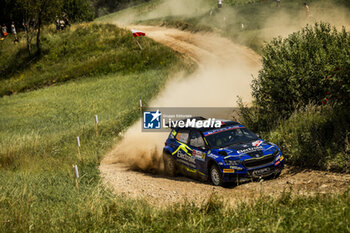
[229, 153]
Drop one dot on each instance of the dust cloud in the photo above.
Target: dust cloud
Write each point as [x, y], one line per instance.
[164, 8]
[283, 23]
[225, 71]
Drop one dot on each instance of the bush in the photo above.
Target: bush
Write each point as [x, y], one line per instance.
[316, 138]
[310, 66]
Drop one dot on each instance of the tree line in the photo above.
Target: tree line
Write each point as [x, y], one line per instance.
[31, 15]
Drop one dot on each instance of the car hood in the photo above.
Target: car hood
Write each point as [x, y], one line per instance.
[252, 149]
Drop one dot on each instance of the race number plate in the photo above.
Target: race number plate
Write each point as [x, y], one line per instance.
[262, 171]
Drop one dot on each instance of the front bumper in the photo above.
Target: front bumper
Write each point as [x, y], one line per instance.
[248, 175]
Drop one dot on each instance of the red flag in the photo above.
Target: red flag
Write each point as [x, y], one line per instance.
[136, 33]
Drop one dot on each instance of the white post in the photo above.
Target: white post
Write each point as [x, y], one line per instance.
[76, 172]
[137, 42]
[96, 124]
[78, 144]
[141, 106]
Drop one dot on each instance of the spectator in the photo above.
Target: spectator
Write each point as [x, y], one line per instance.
[57, 22]
[278, 3]
[24, 26]
[62, 25]
[219, 3]
[4, 30]
[13, 28]
[66, 20]
[307, 10]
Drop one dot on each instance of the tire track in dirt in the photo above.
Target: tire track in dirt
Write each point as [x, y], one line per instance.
[220, 62]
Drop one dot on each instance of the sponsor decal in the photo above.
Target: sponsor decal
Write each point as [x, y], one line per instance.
[251, 149]
[229, 170]
[198, 154]
[236, 168]
[257, 143]
[185, 157]
[152, 120]
[183, 147]
[278, 162]
[222, 129]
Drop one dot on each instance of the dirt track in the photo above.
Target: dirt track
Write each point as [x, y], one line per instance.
[232, 66]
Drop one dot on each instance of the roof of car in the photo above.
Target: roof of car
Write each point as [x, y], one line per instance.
[224, 123]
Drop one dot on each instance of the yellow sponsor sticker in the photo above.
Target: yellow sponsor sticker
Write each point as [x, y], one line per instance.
[281, 158]
[229, 170]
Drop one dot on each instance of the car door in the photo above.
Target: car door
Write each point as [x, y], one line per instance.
[183, 152]
[197, 145]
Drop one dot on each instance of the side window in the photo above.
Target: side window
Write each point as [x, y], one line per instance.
[196, 139]
[182, 136]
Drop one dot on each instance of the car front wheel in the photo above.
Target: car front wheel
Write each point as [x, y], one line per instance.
[215, 175]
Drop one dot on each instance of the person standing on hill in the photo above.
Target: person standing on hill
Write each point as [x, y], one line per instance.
[219, 3]
[278, 3]
[24, 26]
[14, 32]
[65, 19]
[13, 28]
[4, 30]
[307, 10]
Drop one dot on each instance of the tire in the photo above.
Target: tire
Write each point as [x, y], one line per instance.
[273, 176]
[216, 176]
[169, 165]
[277, 174]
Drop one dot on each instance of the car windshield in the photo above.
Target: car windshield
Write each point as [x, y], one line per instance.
[229, 136]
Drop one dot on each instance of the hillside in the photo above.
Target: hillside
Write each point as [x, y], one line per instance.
[83, 51]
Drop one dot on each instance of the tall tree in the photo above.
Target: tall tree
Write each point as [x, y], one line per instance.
[36, 13]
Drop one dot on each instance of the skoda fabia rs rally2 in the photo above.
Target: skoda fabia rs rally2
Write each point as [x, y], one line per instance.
[228, 153]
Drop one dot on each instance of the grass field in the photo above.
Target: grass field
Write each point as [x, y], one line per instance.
[39, 126]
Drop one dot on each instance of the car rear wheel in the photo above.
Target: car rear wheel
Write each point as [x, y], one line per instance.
[216, 176]
[169, 165]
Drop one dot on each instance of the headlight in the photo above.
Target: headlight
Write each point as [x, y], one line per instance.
[277, 153]
[232, 162]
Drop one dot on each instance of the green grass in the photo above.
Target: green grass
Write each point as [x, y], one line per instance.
[37, 203]
[44, 121]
